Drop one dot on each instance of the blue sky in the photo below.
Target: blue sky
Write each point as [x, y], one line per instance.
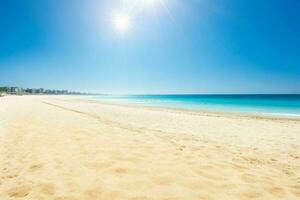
[174, 46]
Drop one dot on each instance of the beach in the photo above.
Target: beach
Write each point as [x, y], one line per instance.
[69, 148]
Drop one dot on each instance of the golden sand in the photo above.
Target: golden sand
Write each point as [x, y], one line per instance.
[64, 148]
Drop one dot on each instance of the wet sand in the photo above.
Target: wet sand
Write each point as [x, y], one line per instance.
[64, 148]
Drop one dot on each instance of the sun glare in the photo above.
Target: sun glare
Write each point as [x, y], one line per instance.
[130, 10]
[121, 22]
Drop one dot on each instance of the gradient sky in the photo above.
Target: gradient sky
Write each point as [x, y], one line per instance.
[180, 46]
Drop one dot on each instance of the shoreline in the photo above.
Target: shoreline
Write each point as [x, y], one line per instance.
[202, 112]
[274, 116]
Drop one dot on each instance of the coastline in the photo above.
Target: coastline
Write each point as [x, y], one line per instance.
[262, 115]
[275, 116]
[67, 148]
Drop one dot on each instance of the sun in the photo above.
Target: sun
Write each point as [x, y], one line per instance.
[121, 22]
[130, 11]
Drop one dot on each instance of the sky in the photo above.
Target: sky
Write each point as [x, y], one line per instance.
[151, 46]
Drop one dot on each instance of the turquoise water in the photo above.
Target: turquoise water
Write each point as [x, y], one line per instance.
[288, 105]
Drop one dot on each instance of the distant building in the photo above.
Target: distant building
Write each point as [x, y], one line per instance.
[48, 92]
[40, 91]
[21, 91]
[15, 90]
[33, 91]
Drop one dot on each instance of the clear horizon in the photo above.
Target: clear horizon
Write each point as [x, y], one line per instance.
[152, 46]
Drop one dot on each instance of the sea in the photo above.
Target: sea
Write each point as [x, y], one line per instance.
[276, 105]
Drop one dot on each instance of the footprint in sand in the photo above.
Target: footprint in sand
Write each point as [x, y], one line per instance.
[97, 192]
[66, 198]
[248, 178]
[72, 186]
[47, 188]
[126, 170]
[205, 197]
[162, 180]
[93, 193]
[35, 167]
[239, 167]
[296, 192]
[277, 191]
[11, 176]
[19, 191]
[120, 170]
[251, 195]
[4, 169]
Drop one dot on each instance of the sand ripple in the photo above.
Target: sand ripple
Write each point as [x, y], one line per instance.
[68, 149]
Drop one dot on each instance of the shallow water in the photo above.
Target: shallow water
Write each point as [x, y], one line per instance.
[285, 105]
